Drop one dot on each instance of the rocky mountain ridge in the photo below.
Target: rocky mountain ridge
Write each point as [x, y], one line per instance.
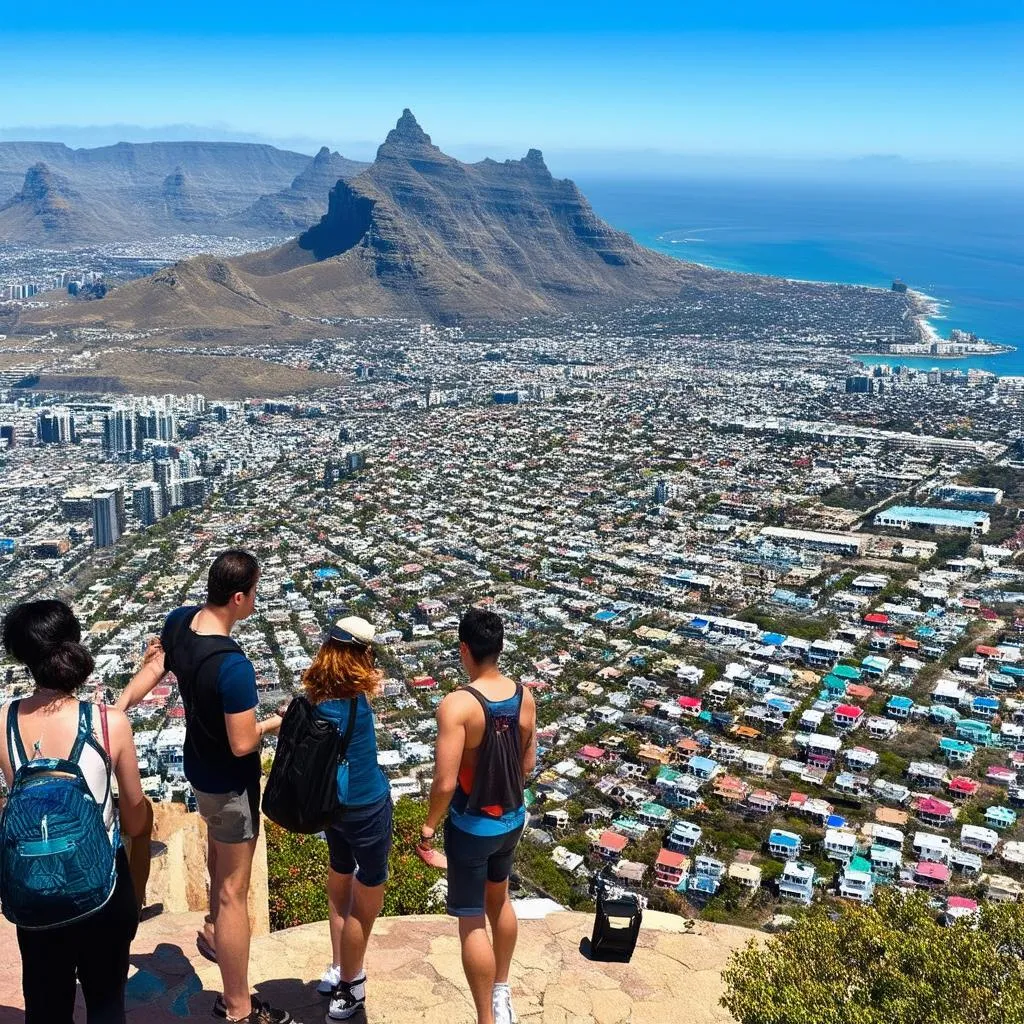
[132, 191]
[420, 234]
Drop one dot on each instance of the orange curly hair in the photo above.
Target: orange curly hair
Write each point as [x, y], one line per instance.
[340, 671]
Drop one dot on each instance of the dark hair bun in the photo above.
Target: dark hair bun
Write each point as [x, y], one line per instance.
[46, 637]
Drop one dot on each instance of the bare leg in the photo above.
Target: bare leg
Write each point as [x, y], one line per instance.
[478, 963]
[339, 899]
[234, 866]
[504, 927]
[211, 866]
[366, 904]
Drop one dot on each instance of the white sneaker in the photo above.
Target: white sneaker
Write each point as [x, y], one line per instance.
[348, 999]
[501, 1004]
[330, 980]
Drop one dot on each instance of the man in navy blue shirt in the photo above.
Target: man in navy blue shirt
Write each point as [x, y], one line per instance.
[217, 683]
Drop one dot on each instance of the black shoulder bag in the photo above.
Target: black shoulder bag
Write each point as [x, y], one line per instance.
[301, 794]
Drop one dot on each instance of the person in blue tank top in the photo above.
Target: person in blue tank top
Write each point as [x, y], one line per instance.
[486, 747]
[359, 840]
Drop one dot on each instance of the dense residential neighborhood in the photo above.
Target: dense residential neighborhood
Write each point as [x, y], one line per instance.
[774, 628]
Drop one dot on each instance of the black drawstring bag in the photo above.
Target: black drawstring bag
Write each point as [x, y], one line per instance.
[301, 794]
[616, 926]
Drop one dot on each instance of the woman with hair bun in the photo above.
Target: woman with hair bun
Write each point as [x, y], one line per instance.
[45, 637]
[339, 682]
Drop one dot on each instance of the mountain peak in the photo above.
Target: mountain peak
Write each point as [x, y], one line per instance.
[406, 138]
[323, 155]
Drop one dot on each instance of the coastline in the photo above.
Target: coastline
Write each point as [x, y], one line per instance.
[924, 307]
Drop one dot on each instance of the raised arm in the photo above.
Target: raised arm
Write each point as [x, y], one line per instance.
[132, 805]
[143, 682]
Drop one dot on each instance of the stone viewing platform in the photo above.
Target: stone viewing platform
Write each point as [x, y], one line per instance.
[415, 973]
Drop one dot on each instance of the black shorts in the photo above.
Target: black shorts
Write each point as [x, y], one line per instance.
[360, 841]
[472, 862]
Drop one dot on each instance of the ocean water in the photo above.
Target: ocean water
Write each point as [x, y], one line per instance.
[962, 245]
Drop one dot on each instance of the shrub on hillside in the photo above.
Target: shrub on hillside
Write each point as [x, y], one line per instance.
[888, 963]
[297, 872]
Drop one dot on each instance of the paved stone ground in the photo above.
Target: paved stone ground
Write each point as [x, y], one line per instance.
[415, 973]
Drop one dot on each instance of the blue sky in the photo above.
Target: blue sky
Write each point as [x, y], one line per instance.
[926, 81]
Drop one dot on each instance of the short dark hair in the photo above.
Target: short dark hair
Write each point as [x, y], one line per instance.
[46, 637]
[233, 572]
[483, 633]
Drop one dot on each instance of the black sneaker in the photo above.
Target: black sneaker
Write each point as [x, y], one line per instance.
[261, 1013]
[348, 999]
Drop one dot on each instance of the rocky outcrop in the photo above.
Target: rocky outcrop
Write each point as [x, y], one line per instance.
[47, 210]
[304, 202]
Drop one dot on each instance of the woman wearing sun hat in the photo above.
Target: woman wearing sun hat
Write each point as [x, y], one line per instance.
[339, 682]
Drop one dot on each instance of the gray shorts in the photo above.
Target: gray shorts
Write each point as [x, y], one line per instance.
[230, 817]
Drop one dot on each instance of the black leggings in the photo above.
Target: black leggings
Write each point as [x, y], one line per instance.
[95, 950]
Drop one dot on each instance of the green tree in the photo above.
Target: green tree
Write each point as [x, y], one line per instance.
[887, 963]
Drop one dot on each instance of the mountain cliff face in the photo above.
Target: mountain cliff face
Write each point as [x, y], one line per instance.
[135, 191]
[419, 233]
[47, 207]
[304, 202]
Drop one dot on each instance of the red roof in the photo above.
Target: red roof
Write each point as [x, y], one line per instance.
[423, 682]
[938, 872]
[961, 903]
[960, 784]
[670, 859]
[592, 752]
[988, 652]
[688, 702]
[612, 841]
[876, 619]
[849, 711]
[930, 805]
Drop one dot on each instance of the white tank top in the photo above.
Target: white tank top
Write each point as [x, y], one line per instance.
[93, 762]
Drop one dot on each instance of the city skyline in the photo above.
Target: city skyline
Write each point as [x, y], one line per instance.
[802, 84]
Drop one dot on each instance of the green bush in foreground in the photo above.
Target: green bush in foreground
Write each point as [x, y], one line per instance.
[297, 872]
[889, 963]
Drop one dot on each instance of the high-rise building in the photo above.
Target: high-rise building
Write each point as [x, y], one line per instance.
[118, 432]
[859, 384]
[108, 515]
[148, 502]
[192, 491]
[661, 491]
[7, 434]
[56, 426]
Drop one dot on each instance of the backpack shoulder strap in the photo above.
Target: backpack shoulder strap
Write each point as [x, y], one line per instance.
[84, 730]
[14, 742]
[482, 700]
[353, 708]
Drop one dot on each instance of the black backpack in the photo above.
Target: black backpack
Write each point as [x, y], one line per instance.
[301, 794]
[498, 781]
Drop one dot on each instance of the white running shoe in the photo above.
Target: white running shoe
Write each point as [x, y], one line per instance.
[501, 1004]
[330, 980]
[348, 999]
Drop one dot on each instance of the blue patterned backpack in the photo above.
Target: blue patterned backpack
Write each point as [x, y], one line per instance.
[57, 859]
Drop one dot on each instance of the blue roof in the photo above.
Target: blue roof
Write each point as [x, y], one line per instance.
[781, 839]
[986, 702]
[704, 763]
[900, 702]
[326, 574]
[699, 623]
[774, 639]
[606, 616]
[925, 631]
[934, 516]
[835, 821]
